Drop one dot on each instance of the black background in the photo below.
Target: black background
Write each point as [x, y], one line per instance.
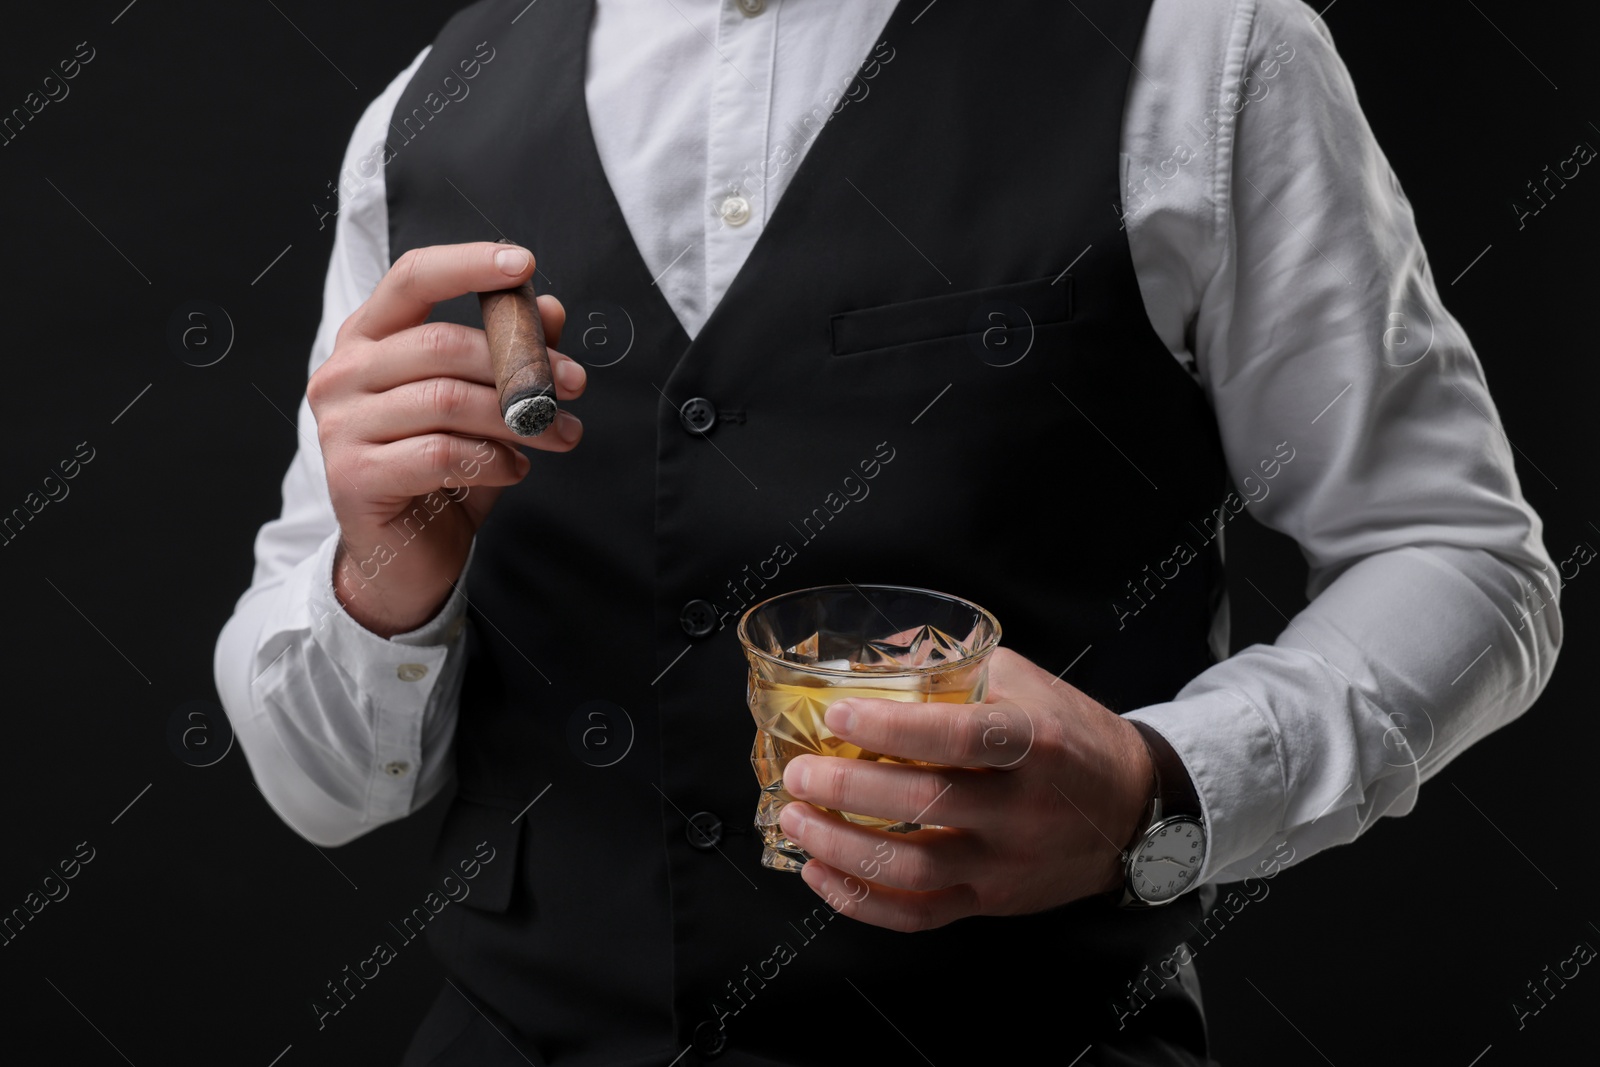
[197, 142]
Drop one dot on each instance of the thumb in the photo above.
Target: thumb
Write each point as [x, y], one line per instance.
[1014, 676]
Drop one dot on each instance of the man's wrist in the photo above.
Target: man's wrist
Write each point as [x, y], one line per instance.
[1179, 795]
[1140, 780]
[1174, 807]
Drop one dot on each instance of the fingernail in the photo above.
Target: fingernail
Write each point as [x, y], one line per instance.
[568, 428]
[792, 819]
[569, 374]
[839, 717]
[512, 260]
[797, 775]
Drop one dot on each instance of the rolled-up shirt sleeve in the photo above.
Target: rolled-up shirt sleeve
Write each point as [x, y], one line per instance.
[343, 730]
[1317, 330]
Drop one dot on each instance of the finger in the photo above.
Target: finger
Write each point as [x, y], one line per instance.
[448, 348]
[422, 277]
[900, 792]
[554, 316]
[421, 465]
[442, 405]
[996, 735]
[923, 860]
[904, 910]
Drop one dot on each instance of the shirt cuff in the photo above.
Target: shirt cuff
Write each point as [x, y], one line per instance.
[394, 676]
[1231, 754]
[351, 644]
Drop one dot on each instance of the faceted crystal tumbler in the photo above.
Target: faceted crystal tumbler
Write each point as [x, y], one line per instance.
[812, 647]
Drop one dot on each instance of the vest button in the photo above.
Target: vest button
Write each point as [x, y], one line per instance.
[698, 415]
[710, 1039]
[698, 618]
[704, 831]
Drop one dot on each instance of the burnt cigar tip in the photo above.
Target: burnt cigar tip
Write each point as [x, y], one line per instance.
[531, 416]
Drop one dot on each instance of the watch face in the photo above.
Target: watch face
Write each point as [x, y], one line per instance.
[1169, 860]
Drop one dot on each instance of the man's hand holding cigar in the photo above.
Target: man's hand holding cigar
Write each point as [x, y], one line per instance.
[406, 408]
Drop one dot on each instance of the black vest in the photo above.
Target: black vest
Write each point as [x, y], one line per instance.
[869, 420]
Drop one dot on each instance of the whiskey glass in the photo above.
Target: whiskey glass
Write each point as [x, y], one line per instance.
[811, 647]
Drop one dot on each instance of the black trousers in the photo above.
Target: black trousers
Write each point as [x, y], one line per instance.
[461, 1031]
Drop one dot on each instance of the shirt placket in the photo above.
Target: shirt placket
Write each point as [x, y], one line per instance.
[736, 150]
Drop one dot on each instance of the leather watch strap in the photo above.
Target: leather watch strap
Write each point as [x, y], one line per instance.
[1173, 787]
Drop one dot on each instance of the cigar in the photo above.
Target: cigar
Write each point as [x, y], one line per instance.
[520, 359]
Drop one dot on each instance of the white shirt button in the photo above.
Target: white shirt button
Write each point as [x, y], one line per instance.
[736, 211]
[411, 672]
[751, 8]
[397, 769]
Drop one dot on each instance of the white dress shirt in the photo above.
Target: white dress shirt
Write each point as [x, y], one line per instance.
[1278, 259]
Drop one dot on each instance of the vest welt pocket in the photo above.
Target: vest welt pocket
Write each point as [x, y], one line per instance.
[477, 853]
[967, 314]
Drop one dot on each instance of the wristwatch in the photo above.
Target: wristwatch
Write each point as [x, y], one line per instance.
[1165, 856]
